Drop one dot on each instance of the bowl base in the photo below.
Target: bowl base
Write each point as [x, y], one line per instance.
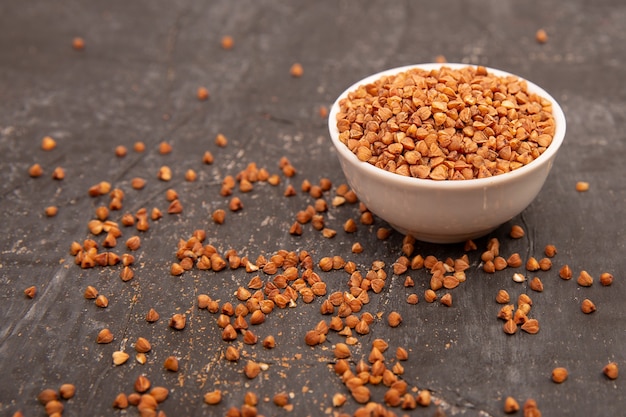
[444, 238]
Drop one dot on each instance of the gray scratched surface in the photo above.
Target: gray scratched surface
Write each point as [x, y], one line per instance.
[136, 80]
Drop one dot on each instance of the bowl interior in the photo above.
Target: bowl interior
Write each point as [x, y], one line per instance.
[548, 154]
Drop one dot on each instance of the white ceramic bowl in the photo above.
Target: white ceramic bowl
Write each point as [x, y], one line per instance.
[446, 211]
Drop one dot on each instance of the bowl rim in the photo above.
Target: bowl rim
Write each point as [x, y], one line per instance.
[545, 157]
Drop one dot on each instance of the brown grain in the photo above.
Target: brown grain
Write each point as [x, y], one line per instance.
[35, 171]
[58, 174]
[90, 293]
[48, 143]
[119, 357]
[536, 284]
[511, 405]
[550, 251]
[120, 401]
[503, 297]
[611, 370]
[584, 279]
[126, 274]
[516, 232]
[202, 93]
[587, 306]
[269, 342]
[510, 327]
[412, 298]
[133, 243]
[152, 316]
[582, 186]
[296, 70]
[165, 148]
[532, 264]
[78, 43]
[121, 151]
[47, 395]
[565, 272]
[541, 36]
[159, 393]
[51, 211]
[142, 345]
[424, 398]
[67, 391]
[54, 407]
[440, 127]
[137, 183]
[30, 292]
[178, 321]
[104, 336]
[171, 364]
[252, 369]
[281, 399]
[102, 301]
[606, 278]
[530, 326]
[559, 375]
[175, 207]
[446, 300]
[227, 42]
[164, 173]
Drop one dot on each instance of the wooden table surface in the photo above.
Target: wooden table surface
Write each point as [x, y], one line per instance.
[137, 79]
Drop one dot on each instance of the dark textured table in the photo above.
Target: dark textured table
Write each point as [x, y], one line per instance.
[136, 80]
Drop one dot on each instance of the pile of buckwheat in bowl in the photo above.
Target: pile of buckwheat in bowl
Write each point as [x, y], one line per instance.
[446, 152]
